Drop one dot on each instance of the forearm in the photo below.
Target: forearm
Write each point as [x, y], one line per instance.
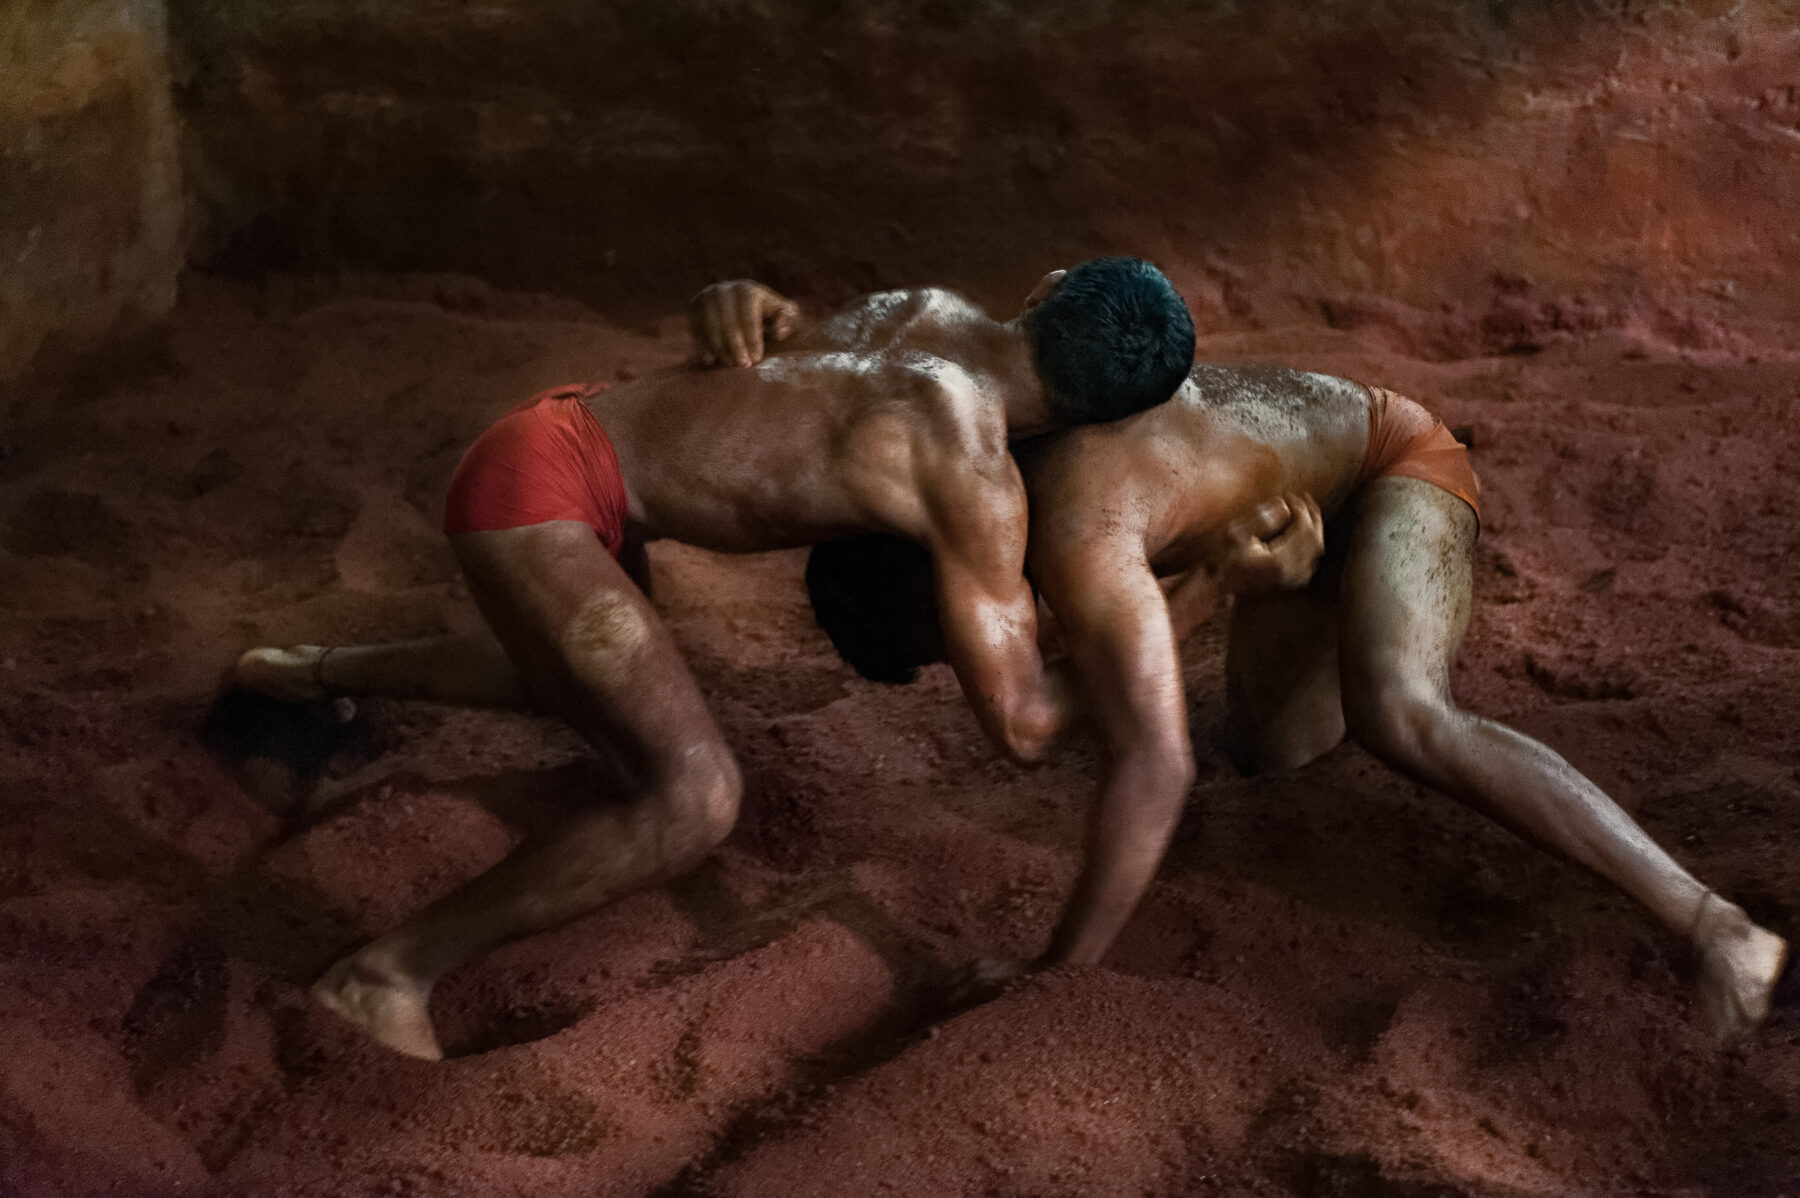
[1140, 803]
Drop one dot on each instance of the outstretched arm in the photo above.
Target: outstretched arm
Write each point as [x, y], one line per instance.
[1116, 625]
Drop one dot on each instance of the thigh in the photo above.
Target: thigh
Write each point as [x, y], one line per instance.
[1281, 678]
[1405, 593]
[588, 645]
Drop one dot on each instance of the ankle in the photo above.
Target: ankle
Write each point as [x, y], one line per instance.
[1714, 916]
[390, 964]
[318, 671]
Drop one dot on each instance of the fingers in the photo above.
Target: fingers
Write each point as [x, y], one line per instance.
[733, 349]
[1296, 551]
[1265, 521]
[749, 326]
[1307, 523]
[787, 319]
[697, 333]
[1274, 516]
[1276, 545]
[1315, 518]
[982, 980]
[714, 320]
[732, 322]
[711, 332]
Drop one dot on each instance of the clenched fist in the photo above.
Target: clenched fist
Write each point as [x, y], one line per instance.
[1275, 546]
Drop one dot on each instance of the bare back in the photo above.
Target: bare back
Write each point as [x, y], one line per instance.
[886, 417]
[1159, 484]
[850, 427]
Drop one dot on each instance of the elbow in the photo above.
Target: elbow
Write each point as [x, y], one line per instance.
[1163, 770]
[1024, 730]
[1027, 739]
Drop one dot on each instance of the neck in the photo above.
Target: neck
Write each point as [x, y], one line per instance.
[1000, 354]
[1014, 370]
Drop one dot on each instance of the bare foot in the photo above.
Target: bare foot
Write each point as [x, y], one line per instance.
[984, 979]
[291, 675]
[387, 1004]
[1739, 966]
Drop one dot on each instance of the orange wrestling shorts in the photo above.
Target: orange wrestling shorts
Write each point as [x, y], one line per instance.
[547, 459]
[1407, 441]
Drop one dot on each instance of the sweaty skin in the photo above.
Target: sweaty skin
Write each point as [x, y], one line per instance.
[1364, 651]
[892, 415]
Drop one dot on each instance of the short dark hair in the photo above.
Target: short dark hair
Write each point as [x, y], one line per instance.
[875, 595]
[1113, 338]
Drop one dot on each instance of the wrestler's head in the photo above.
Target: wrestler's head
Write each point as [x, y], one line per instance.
[1109, 338]
[874, 596]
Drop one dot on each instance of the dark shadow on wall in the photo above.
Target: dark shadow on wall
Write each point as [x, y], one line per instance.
[627, 152]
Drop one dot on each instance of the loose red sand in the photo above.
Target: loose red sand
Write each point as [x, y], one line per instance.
[1340, 986]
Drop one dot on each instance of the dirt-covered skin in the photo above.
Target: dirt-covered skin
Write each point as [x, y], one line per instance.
[1338, 984]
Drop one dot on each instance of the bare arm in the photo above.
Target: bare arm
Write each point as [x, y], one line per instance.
[987, 611]
[1090, 555]
[976, 524]
[1117, 628]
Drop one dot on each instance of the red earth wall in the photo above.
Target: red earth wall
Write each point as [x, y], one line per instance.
[1430, 152]
[90, 178]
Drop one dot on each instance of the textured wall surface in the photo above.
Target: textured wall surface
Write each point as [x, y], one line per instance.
[1424, 151]
[90, 178]
[1471, 172]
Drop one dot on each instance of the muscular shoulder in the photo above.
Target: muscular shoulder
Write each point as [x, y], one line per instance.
[1102, 479]
[1094, 493]
[956, 412]
[934, 439]
[881, 320]
[929, 410]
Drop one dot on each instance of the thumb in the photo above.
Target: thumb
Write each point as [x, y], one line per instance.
[787, 316]
[1268, 519]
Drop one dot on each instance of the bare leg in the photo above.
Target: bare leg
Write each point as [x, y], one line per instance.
[589, 647]
[1404, 607]
[1281, 678]
[466, 671]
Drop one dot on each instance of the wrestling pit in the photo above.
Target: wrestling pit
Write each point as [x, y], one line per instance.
[1340, 985]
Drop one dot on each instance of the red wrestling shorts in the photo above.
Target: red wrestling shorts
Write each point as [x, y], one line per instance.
[547, 459]
[1407, 441]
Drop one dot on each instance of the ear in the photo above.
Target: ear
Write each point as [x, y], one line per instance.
[1045, 286]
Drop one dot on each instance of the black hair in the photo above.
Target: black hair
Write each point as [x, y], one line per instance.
[875, 595]
[1113, 338]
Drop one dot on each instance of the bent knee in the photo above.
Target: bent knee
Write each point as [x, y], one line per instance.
[1404, 727]
[701, 798]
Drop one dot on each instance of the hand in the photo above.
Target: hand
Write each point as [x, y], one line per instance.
[1277, 545]
[729, 322]
[984, 979]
